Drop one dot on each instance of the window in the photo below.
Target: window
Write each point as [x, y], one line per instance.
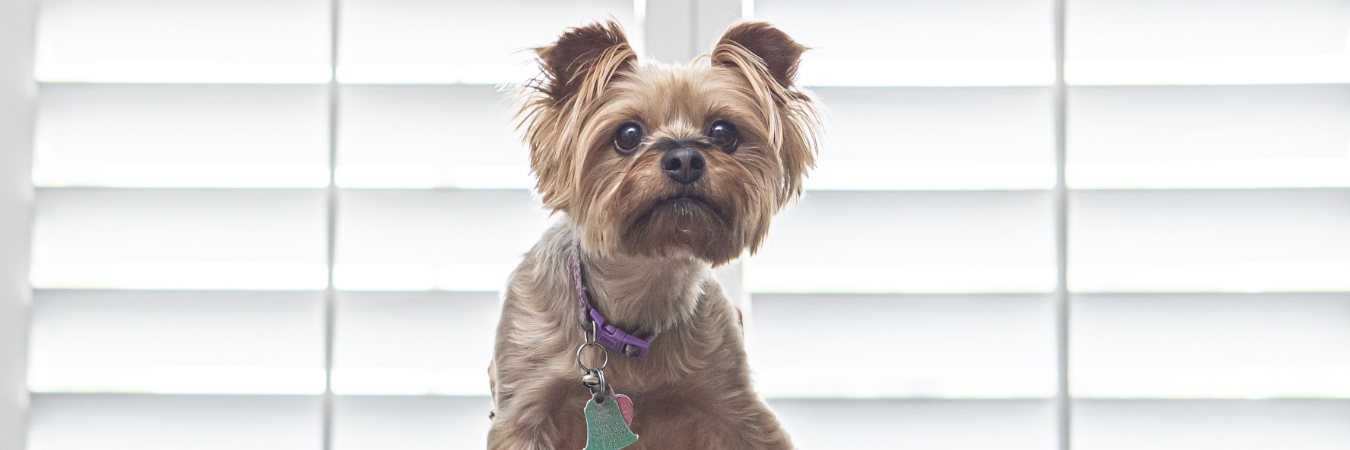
[1036, 224]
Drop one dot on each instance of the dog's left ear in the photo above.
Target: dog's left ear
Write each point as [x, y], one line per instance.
[774, 53]
[768, 59]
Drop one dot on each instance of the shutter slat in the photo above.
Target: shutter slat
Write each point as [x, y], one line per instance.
[1209, 137]
[412, 41]
[190, 41]
[868, 241]
[170, 422]
[962, 424]
[410, 423]
[1210, 240]
[179, 239]
[414, 343]
[458, 240]
[890, 346]
[1114, 42]
[1227, 424]
[1211, 346]
[457, 136]
[155, 135]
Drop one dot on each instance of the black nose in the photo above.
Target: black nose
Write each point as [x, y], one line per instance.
[684, 165]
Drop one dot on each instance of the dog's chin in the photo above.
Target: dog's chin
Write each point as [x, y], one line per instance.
[684, 224]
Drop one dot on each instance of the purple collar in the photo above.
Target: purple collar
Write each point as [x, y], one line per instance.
[608, 335]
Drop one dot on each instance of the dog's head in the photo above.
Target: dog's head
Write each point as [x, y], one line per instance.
[660, 160]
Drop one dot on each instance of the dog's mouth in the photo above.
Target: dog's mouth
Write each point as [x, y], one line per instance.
[683, 220]
[687, 203]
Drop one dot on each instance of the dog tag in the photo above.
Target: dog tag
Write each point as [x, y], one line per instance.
[605, 426]
[626, 407]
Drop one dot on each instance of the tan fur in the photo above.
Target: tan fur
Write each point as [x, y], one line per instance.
[648, 257]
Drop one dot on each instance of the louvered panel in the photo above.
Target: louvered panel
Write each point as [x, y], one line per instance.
[179, 239]
[867, 241]
[155, 135]
[192, 41]
[414, 343]
[429, 136]
[172, 422]
[936, 346]
[419, 41]
[177, 342]
[458, 240]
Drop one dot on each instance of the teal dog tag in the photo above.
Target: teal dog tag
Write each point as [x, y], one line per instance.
[605, 427]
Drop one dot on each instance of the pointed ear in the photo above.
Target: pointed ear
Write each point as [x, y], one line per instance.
[768, 58]
[774, 52]
[583, 60]
[575, 69]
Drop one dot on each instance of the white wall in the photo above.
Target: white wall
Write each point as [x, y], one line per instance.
[17, 94]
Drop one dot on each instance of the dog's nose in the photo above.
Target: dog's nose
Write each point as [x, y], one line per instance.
[684, 165]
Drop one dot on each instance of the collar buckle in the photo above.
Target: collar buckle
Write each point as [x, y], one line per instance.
[618, 340]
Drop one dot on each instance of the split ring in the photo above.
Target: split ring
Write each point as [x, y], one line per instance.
[603, 364]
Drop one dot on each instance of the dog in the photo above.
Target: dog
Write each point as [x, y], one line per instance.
[658, 173]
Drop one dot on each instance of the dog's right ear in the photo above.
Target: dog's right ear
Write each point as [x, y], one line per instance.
[576, 70]
[582, 62]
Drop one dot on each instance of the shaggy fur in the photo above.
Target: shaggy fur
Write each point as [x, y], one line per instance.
[648, 243]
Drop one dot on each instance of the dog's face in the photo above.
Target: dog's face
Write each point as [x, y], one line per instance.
[657, 160]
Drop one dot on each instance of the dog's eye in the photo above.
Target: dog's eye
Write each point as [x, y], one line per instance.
[723, 134]
[627, 137]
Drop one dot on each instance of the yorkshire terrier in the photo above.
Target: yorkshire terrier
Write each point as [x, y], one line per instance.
[660, 173]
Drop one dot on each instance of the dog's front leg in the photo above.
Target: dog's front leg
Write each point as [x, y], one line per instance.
[545, 415]
[741, 421]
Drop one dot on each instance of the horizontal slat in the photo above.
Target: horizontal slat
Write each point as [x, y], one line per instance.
[951, 242]
[936, 138]
[177, 342]
[1210, 241]
[1252, 70]
[864, 346]
[414, 342]
[1211, 345]
[198, 41]
[465, 240]
[917, 43]
[173, 422]
[1200, 28]
[1203, 42]
[179, 239]
[127, 135]
[825, 71]
[1226, 424]
[410, 423]
[936, 424]
[1209, 137]
[429, 136]
[405, 41]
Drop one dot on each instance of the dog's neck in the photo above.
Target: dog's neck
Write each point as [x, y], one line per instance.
[644, 295]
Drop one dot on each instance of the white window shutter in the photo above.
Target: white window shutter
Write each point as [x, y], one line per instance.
[294, 218]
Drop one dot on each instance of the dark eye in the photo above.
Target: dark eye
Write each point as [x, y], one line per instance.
[627, 137]
[723, 134]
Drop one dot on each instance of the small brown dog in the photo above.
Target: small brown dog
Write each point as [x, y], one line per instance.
[661, 173]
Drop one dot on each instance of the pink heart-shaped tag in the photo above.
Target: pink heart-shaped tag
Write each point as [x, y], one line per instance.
[626, 408]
